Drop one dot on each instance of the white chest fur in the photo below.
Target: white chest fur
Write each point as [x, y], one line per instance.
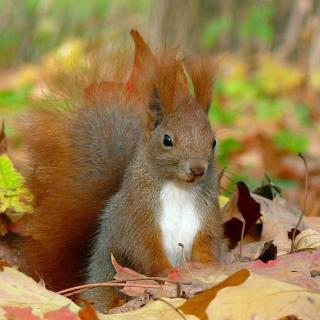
[179, 221]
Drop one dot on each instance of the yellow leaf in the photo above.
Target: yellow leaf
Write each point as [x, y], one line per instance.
[265, 299]
[223, 200]
[275, 76]
[198, 304]
[15, 198]
[68, 55]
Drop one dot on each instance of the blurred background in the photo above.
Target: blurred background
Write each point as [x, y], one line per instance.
[266, 102]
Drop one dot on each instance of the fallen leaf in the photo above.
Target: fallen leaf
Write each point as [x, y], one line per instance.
[126, 273]
[269, 252]
[268, 190]
[278, 219]
[198, 304]
[307, 239]
[241, 206]
[292, 268]
[17, 291]
[259, 264]
[18, 313]
[15, 198]
[263, 298]
[61, 314]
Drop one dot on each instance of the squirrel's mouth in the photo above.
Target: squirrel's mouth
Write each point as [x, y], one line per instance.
[189, 180]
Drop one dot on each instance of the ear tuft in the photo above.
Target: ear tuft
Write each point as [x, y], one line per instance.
[143, 61]
[201, 71]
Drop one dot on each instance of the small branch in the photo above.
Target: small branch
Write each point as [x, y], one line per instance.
[119, 283]
[159, 279]
[105, 284]
[306, 188]
[184, 258]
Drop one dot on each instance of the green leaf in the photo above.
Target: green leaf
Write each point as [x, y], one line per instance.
[15, 198]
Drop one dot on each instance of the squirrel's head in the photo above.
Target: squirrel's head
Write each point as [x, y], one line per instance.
[181, 142]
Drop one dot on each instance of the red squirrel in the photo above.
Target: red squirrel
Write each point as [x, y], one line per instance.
[109, 178]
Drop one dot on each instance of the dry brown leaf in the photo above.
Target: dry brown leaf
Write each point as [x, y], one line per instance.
[242, 213]
[279, 217]
[126, 273]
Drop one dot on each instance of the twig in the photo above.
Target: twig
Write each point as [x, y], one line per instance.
[105, 284]
[184, 258]
[306, 188]
[120, 283]
[172, 306]
[159, 279]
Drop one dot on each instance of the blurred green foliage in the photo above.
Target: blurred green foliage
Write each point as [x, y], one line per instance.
[214, 29]
[30, 28]
[15, 99]
[257, 23]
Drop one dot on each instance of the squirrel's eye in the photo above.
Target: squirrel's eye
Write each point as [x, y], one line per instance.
[167, 141]
[214, 143]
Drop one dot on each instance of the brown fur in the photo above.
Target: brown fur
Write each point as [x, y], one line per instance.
[75, 171]
[108, 161]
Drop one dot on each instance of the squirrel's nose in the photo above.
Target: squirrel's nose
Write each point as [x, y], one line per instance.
[197, 171]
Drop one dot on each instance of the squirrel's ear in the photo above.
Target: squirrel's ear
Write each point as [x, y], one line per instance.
[169, 85]
[201, 71]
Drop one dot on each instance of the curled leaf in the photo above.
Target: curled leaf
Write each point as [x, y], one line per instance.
[307, 239]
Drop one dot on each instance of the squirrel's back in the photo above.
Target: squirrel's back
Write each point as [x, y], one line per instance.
[77, 161]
